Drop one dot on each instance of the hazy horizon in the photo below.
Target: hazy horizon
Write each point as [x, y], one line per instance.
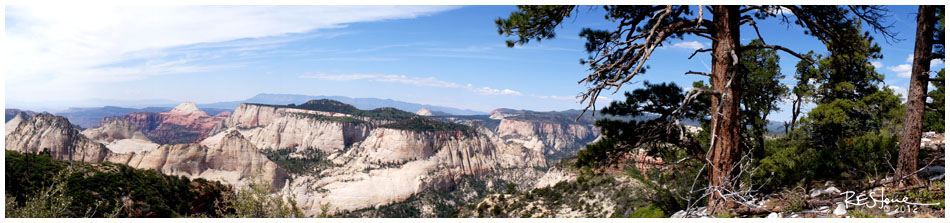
[446, 56]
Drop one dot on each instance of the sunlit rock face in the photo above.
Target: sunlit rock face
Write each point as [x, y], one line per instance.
[233, 161]
[183, 124]
[365, 161]
[45, 133]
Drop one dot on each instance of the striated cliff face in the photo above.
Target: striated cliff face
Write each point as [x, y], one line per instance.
[404, 162]
[117, 129]
[120, 136]
[233, 160]
[56, 136]
[367, 154]
[556, 139]
[273, 128]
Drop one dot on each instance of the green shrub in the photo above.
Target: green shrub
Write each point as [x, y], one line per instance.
[49, 202]
[649, 211]
[257, 201]
[426, 124]
[99, 190]
[309, 162]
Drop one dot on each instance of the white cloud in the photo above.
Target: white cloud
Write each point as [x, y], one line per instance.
[558, 97]
[933, 63]
[492, 91]
[902, 70]
[693, 45]
[900, 91]
[604, 100]
[94, 43]
[415, 81]
[877, 64]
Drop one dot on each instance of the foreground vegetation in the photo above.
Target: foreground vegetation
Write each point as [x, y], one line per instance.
[38, 186]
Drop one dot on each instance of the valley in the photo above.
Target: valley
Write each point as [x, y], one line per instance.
[324, 153]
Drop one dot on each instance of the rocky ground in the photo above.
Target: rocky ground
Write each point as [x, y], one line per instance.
[872, 198]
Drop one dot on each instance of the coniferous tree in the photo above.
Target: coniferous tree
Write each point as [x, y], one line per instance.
[617, 55]
[916, 95]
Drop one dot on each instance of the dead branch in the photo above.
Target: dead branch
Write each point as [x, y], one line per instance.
[757, 32]
[699, 73]
[698, 51]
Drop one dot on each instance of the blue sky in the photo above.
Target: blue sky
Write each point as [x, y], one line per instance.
[445, 55]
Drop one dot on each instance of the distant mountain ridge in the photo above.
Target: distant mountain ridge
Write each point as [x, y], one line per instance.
[361, 103]
[88, 117]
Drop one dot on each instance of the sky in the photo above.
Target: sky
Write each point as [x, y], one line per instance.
[59, 57]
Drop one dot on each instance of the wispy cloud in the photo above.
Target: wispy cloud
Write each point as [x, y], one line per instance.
[415, 81]
[902, 70]
[692, 45]
[936, 62]
[877, 64]
[900, 90]
[94, 43]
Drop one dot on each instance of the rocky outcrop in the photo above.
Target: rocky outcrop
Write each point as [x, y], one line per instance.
[117, 129]
[424, 112]
[405, 162]
[234, 160]
[187, 109]
[274, 128]
[183, 124]
[10, 113]
[301, 132]
[13, 121]
[120, 136]
[427, 112]
[45, 133]
[556, 139]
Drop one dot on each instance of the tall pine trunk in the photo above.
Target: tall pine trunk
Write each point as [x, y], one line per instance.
[916, 92]
[725, 107]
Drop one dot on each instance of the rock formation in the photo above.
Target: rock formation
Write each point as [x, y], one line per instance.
[424, 112]
[115, 130]
[45, 133]
[233, 160]
[13, 121]
[372, 157]
[120, 136]
[557, 139]
[273, 128]
[183, 124]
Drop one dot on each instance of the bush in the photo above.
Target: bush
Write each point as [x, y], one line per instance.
[649, 211]
[49, 202]
[426, 124]
[788, 161]
[256, 201]
[98, 190]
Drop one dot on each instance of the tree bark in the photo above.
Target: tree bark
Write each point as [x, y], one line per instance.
[916, 92]
[725, 106]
